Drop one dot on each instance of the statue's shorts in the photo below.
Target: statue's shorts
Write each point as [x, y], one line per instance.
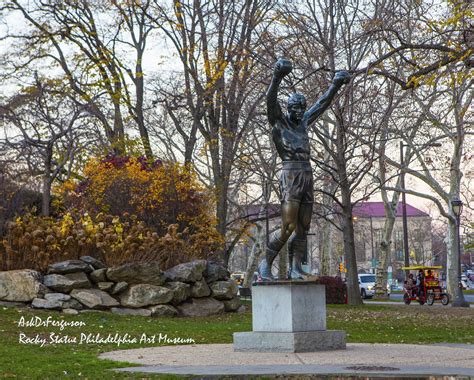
[296, 182]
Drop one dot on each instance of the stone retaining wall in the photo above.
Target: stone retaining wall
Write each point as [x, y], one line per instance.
[197, 288]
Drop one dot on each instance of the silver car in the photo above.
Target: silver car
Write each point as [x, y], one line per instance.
[367, 285]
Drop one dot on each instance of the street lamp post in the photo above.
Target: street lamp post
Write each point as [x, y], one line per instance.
[459, 301]
[404, 204]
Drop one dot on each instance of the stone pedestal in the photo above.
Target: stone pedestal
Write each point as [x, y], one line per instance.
[289, 316]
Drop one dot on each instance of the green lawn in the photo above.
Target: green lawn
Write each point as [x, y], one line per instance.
[368, 323]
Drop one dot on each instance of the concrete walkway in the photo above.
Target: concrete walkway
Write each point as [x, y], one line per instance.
[377, 360]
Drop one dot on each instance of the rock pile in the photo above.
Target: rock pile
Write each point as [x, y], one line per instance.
[197, 288]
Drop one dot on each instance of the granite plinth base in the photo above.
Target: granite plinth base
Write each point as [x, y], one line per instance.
[305, 341]
[288, 306]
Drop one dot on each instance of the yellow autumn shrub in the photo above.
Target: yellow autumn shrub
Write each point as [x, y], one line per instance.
[35, 242]
[159, 194]
[125, 210]
[167, 197]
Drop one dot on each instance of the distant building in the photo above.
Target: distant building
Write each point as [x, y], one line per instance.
[369, 219]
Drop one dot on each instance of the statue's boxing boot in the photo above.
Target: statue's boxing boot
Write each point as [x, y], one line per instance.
[265, 266]
[297, 250]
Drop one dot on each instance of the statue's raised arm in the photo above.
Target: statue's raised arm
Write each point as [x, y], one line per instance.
[341, 78]
[282, 68]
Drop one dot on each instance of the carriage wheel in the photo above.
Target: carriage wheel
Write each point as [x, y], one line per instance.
[406, 299]
[421, 298]
[444, 299]
[430, 300]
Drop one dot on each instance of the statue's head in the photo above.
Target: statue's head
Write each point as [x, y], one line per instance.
[296, 106]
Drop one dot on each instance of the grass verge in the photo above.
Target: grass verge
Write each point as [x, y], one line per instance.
[368, 323]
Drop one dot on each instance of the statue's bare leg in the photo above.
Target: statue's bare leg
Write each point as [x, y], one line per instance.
[298, 244]
[289, 217]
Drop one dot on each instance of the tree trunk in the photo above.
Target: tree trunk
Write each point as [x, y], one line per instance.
[221, 214]
[119, 131]
[222, 200]
[350, 257]
[349, 243]
[46, 190]
[353, 292]
[326, 246]
[383, 260]
[254, 257]
[452, 263]
[325, 249]
[46, 197]
[140, 119]
[190, 143]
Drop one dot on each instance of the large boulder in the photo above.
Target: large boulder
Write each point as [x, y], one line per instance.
[94, 298]
[187, 272]
[106, 286]
[216, 272]
[20, 285]
[163, 311]
[56, 301]
[118, 288]
[232, 305]
[126, 311]
[57, 297]
[99, 275]
[201, 307]
[40, 303]
[137, 273]
[69, 266]
[145, 294]
[72, 304]
[181, 291]
[224, 290]
[200, 289]
[80, 280]
[94, 263]
[65, 283]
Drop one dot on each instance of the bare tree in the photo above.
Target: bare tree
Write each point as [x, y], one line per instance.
[213, 41]
[89, 42]
[42, 133]
[446, 106]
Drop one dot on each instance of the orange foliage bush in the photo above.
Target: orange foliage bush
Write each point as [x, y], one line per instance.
[159, 194]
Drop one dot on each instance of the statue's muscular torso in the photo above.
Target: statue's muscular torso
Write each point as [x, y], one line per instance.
[291, 139]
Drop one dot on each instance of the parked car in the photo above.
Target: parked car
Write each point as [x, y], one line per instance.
[367, 285]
